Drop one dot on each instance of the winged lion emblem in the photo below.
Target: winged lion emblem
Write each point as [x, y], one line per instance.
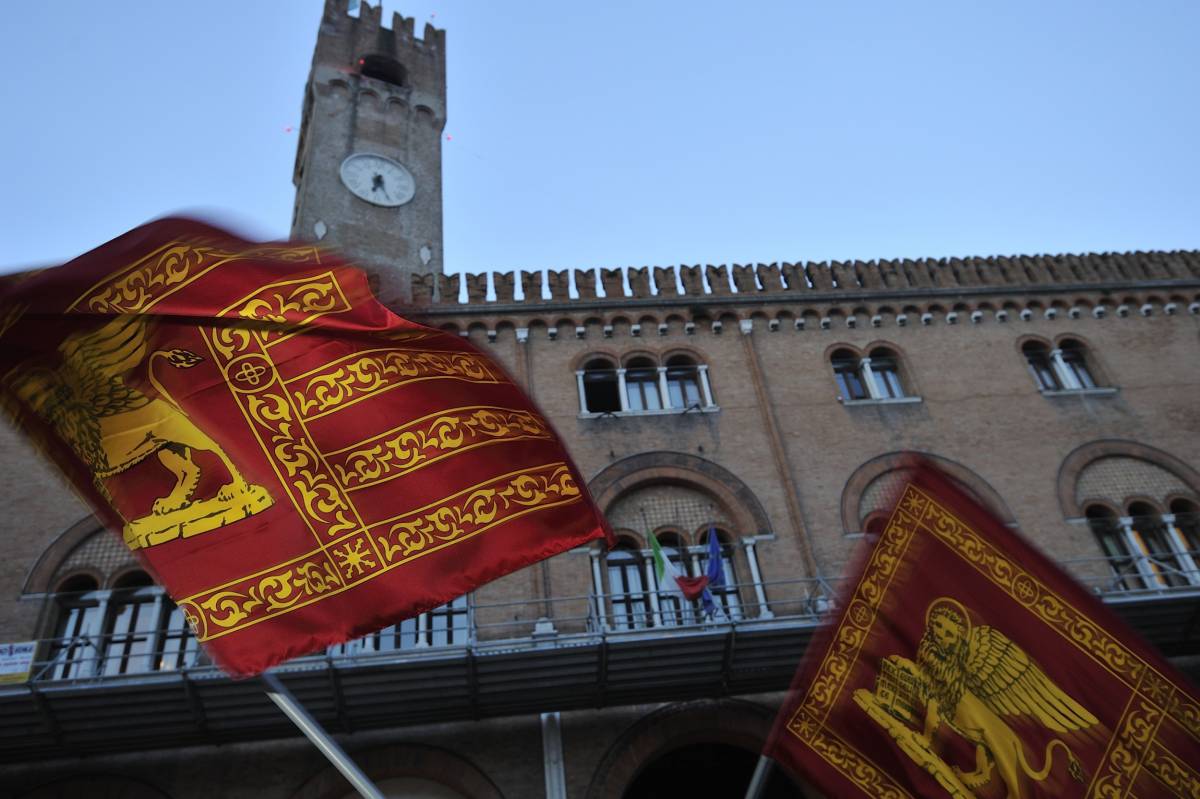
[971, 679]
[112, 426]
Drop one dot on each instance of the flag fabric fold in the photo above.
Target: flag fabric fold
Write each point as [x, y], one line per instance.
[715, 574]
[297, 465]
[963, 663]
[670, 581]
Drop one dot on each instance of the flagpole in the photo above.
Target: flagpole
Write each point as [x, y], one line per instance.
[759, 781]
[278, 693]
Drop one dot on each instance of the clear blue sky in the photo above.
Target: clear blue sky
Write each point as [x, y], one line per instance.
[637, 133]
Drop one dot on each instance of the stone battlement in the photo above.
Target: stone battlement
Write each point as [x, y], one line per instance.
[372, 33]
[816, 281]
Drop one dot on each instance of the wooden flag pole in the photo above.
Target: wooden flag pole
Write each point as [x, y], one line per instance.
[759, 781]
[278, 693]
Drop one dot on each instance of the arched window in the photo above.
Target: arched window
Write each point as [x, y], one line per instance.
[725, 596]
[1067, 368]
[683, 383]
[626, 587]
[446, 625]
[886, 369]
[1153, 539]
[1111, 538]
[876, 377]
[641, 385]
[1075, 363]
[72, 653]
[132, 629]
[846, 371]
[1037, 355]
[1185, 518]
[598, 383]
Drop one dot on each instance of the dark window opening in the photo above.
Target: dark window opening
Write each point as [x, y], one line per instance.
[384, 68]
[600, 391]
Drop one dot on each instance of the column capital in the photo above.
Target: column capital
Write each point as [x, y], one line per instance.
[746, 326]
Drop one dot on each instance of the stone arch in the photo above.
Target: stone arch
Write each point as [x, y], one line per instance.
[865, 479]
[46, 571]
[1121, 454]
[677, 468]
[734, 722]
[405, 760]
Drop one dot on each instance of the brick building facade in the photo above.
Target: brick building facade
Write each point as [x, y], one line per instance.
[767, 405]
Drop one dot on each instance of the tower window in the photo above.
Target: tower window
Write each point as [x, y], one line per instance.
[384, 68]
[600, 387]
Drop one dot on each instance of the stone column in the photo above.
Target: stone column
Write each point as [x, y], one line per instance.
[624, 396]
[598, 589]
[868, 376]
[662, 387]
[1133, 541]
[704, 387]
[1180, 547]
[760, 593]
[1065, 375]
[583, 408]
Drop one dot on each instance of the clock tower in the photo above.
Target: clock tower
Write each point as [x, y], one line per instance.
[368, 171]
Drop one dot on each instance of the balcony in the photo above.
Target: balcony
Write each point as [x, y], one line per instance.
[98, 693]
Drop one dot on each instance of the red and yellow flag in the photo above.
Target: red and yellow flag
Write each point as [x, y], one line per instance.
[296, 464]
[963, 663]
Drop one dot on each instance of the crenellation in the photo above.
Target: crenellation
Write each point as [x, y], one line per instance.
[743, 279]
[531, 284]
[613, 284]
[477, 287]
[819, 276]
[449, 287]
[740, 282]
[843, 276]
[503, 284]
[795, 277]
[639, 282]
[559, 281]
[692, 280]
[718, 280]
[423, 289]
[664, 280]
[769, 277]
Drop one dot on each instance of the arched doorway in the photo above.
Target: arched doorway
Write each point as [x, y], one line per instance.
[706, 769]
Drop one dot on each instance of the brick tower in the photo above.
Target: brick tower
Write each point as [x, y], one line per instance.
[368, 171]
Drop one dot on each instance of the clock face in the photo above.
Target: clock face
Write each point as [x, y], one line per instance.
[378, 180]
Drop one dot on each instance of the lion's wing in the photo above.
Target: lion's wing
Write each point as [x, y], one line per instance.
[1002, 675]
[93, 363]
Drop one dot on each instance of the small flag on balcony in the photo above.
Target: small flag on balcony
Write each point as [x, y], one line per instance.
[297, 465]
[963, 663]
[672, 582]
[715, 574]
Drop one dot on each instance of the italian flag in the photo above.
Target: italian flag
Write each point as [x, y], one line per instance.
[670, 581]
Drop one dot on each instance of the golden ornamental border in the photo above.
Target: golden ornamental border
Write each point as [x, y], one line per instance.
[120, 292]
[272, 578]
[427, 442]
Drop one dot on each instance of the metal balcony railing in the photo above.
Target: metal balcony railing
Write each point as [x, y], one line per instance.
[483, 628]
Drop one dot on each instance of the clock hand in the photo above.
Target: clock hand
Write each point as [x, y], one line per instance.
[377, 183]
